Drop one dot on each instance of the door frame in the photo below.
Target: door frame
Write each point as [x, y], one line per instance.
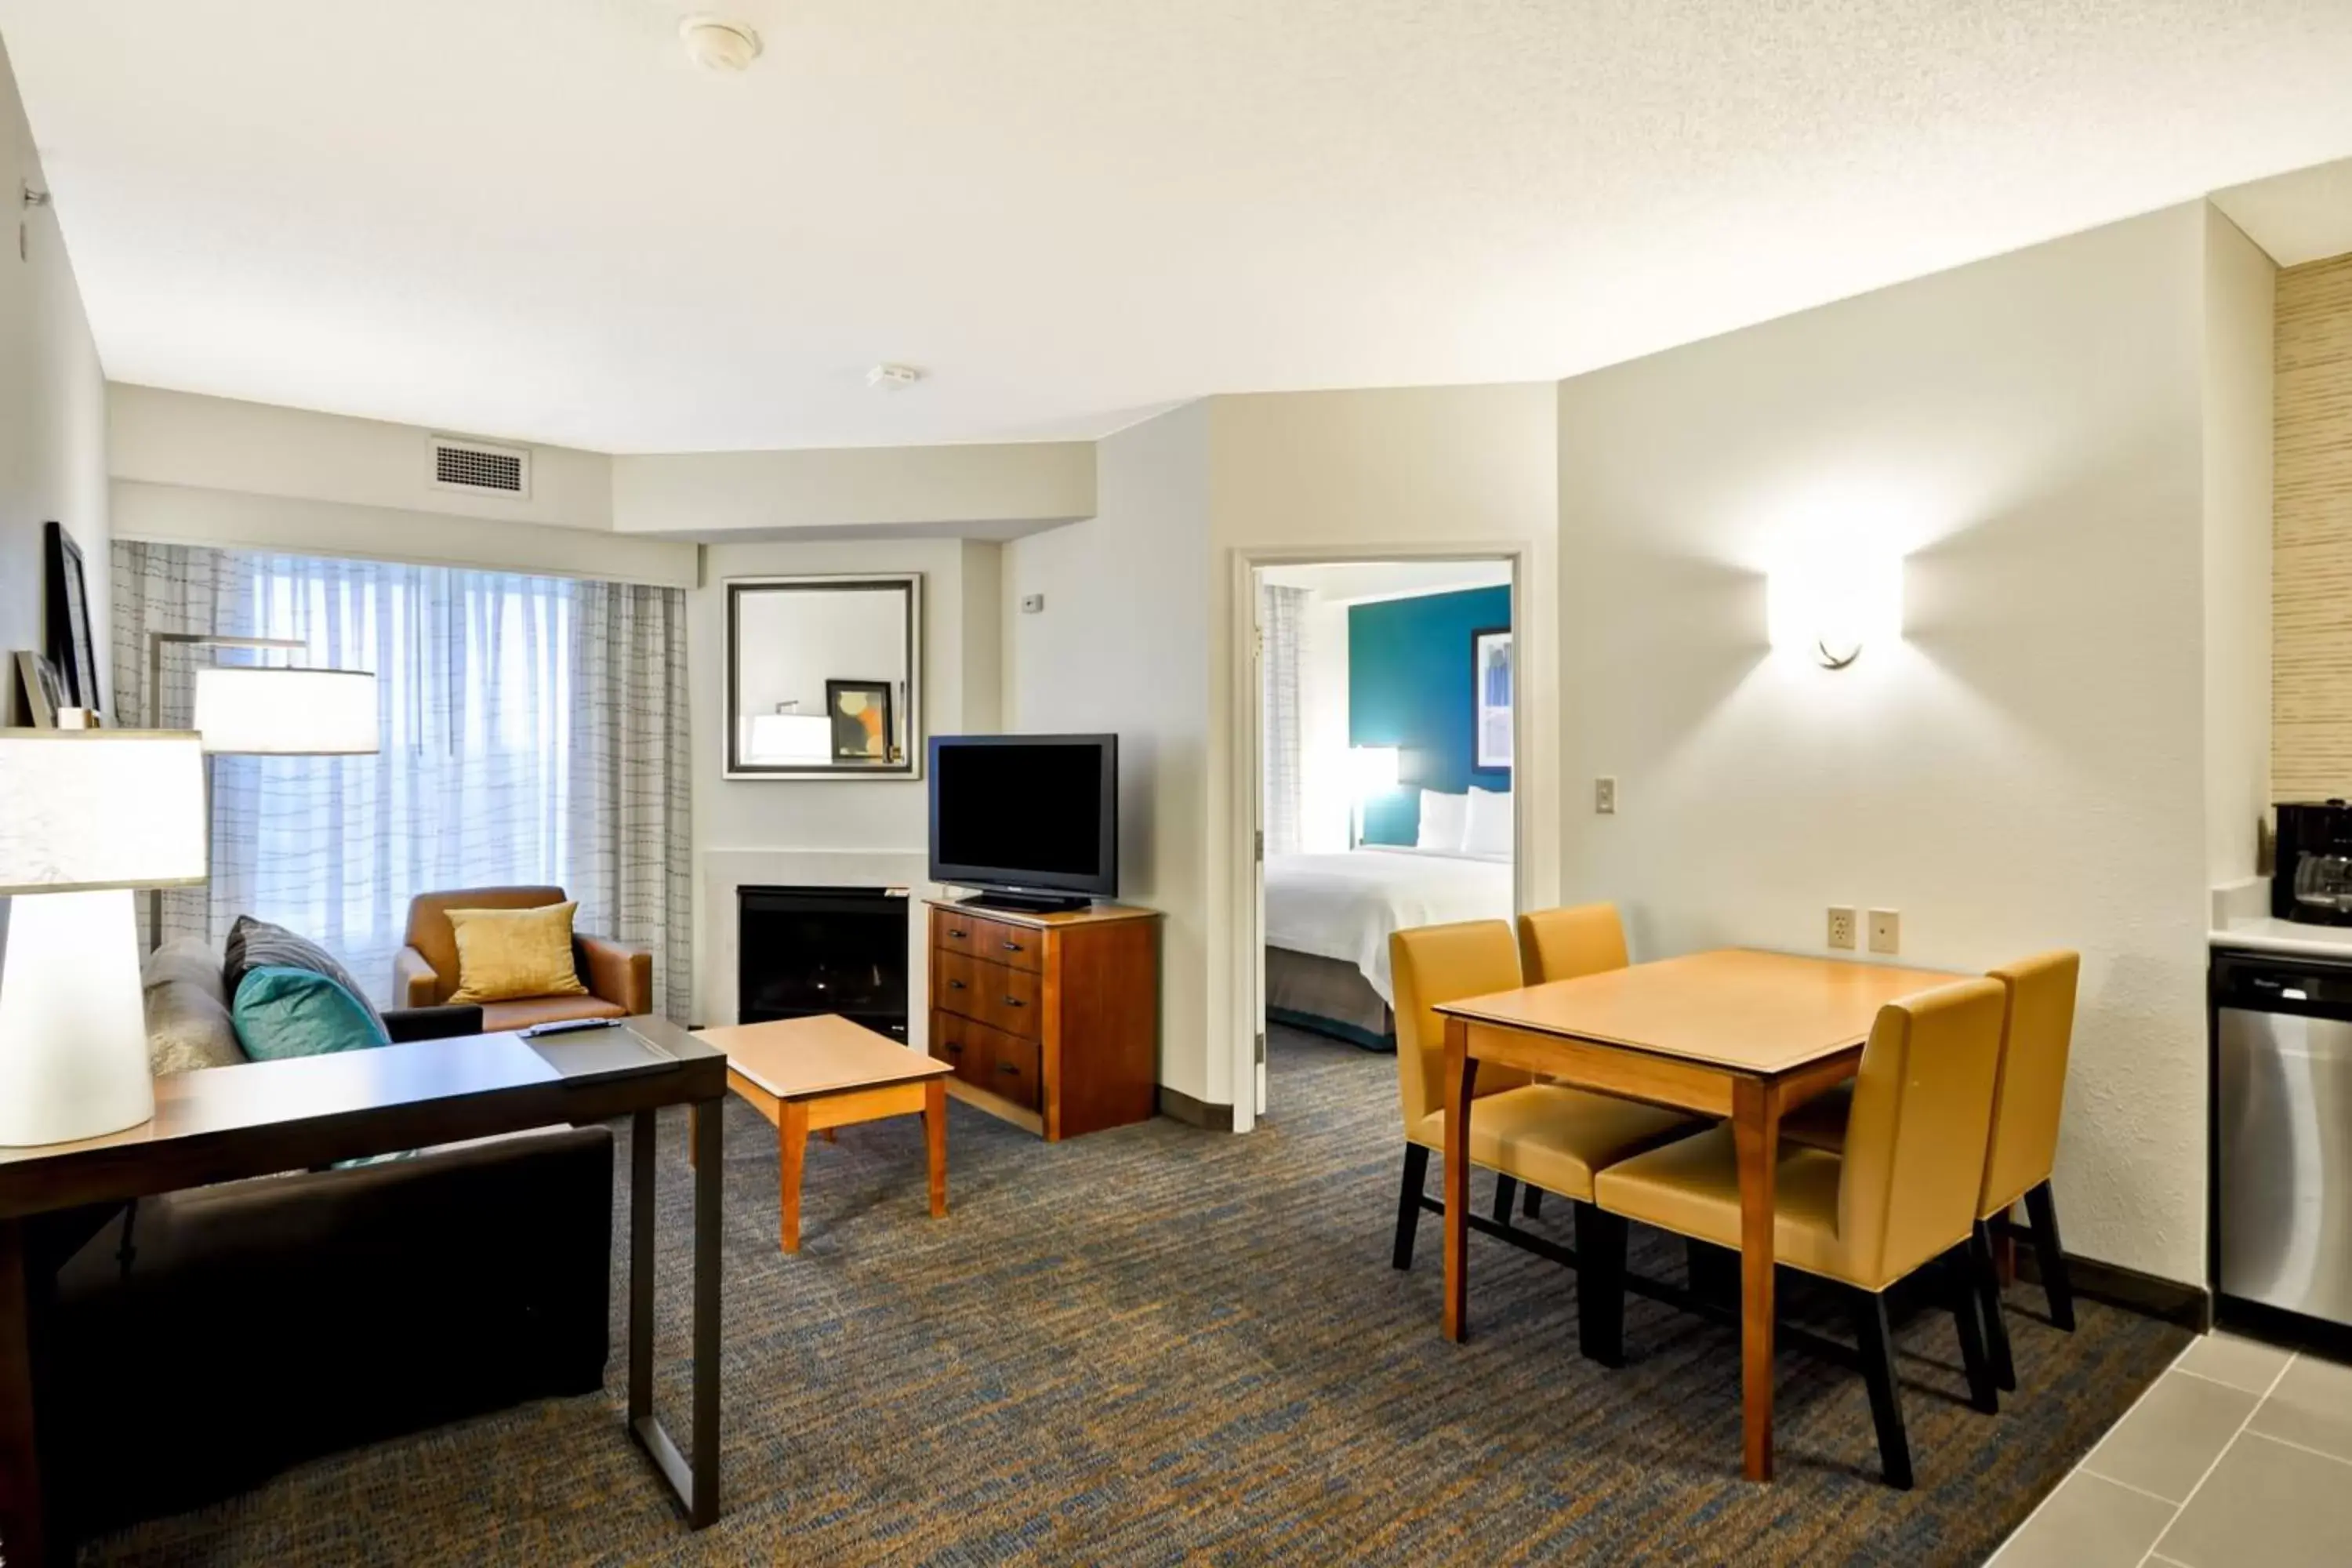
[1245, 905]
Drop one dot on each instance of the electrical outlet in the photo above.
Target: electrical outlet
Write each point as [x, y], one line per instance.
[1886, 930]
[1841, 926]
[1604, 796]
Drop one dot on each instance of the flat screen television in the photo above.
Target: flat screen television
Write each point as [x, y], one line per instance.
[1031, 821]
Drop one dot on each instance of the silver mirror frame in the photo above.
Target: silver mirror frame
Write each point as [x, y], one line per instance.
[910, 766]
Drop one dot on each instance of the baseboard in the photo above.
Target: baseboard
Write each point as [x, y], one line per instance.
[2149, 1295]
[1181, 1106]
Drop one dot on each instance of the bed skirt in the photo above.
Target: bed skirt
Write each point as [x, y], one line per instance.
[1327, 996]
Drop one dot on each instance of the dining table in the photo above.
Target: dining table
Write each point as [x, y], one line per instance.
[1736, 1034]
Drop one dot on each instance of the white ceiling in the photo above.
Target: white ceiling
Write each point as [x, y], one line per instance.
[534, 218]
[2306, 215]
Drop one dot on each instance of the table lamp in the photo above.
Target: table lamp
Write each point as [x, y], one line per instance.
[1373, 771]
[86, 816]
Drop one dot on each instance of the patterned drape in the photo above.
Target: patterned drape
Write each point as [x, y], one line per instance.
[1282, 623]
[534, 731]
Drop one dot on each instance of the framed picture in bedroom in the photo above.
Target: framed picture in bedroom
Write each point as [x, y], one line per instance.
[44, 693]
[73, 642]
[860, 714]
[1490, 697]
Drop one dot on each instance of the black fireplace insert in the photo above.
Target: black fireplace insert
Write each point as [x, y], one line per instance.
[805, 951]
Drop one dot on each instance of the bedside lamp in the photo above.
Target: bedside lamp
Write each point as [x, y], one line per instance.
[1371, 769]
[84, 817]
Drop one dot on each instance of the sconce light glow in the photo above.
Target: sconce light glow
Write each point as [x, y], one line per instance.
[1373, 770]
[1828, 605]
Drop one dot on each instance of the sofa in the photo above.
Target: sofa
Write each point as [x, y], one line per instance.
[619, 976]
[200, 1342]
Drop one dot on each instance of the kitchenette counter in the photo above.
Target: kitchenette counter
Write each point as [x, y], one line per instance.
[2262, 933]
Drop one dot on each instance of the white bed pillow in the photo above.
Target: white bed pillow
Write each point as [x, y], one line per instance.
[1444, 821]
[1487, 827]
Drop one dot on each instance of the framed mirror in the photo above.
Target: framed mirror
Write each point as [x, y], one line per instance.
[824, 676]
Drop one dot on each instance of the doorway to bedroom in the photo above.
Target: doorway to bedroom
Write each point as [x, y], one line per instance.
[1387, 705]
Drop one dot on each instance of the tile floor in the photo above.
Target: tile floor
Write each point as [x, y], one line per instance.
[2238, 1454]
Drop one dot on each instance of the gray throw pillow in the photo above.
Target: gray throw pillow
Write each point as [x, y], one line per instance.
[188, 1022]
[256, 944]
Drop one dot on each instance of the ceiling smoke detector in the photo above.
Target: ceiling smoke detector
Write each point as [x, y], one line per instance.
[717, 44]
[893, 377]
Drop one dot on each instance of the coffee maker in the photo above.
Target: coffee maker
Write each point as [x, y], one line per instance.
[2311, 879]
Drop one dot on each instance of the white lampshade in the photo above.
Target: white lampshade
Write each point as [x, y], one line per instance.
[250, 711]
[87, 809]
[1373, 770]
[1827, 604]
[788, 738]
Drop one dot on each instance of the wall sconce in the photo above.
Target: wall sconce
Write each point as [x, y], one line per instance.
[1827, 605]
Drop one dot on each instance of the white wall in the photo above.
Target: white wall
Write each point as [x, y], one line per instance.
[52, 412]
[191, 469]
[2240, 292]
[2024, 769]
[1122, 646]
[1015, 487]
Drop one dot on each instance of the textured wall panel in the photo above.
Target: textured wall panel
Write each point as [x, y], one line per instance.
[2311, 670]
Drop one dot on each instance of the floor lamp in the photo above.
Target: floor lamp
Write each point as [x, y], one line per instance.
[276, 710]
[86, 816]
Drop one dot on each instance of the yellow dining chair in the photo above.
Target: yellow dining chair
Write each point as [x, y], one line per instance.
[1561, 944]
[2029, 1091]
[1899, 1198]
[1544, 1134]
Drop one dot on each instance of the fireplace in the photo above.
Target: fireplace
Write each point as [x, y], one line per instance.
[803, 951]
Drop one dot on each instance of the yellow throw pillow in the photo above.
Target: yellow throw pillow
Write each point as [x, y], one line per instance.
[506, 953]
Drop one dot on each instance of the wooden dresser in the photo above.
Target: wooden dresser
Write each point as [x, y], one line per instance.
[1050, 1021]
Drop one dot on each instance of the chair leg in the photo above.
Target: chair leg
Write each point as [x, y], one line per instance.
[1713, 1274]
[1533, 1207]
[1417, 1180]
[1507, 1193]
[2041, 1208]
[1986, 1273]
[1600, 1284]
[1953, 1271]
[1878, 1347]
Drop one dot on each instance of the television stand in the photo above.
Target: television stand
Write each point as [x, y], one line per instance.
[1029, 903]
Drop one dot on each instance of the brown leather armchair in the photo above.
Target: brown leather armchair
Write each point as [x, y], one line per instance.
[619, 976]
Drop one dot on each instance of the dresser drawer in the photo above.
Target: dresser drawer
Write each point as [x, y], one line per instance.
[989, 1059]
[999, 942]
[993, 993]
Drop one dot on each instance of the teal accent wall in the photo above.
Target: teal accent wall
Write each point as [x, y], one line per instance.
[1409, 687]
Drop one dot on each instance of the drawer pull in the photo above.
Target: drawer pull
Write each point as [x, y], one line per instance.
[1008, 1068]
[953, 1050]
[1011, 945]
[955, 935]
[955, 984]
[1014, 1002]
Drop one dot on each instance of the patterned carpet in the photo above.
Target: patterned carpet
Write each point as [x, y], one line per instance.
[1161, 1345]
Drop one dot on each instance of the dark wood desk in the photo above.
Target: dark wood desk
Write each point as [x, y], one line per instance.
[223, 1124]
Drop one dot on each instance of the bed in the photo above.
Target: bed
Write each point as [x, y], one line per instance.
[1327, 920]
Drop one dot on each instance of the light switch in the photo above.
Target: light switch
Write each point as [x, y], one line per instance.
[1604, 795]
[1032, 604]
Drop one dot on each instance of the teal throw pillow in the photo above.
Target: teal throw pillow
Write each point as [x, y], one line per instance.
[283, 1012]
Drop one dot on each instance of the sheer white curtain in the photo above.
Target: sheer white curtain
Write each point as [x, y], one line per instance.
[1282, 627]
[534, 731]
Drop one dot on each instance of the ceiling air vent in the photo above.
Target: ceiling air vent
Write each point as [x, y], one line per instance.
[477, 468]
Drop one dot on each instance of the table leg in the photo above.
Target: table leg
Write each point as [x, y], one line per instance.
[23, 1524]
[935, 1139]
[710, 1178]
[1756, 1134]
[792, 1150]
[641, 1266]
[694, 1134]
[1461, 1081]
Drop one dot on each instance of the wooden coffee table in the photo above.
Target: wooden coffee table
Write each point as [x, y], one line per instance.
[806, 1074]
